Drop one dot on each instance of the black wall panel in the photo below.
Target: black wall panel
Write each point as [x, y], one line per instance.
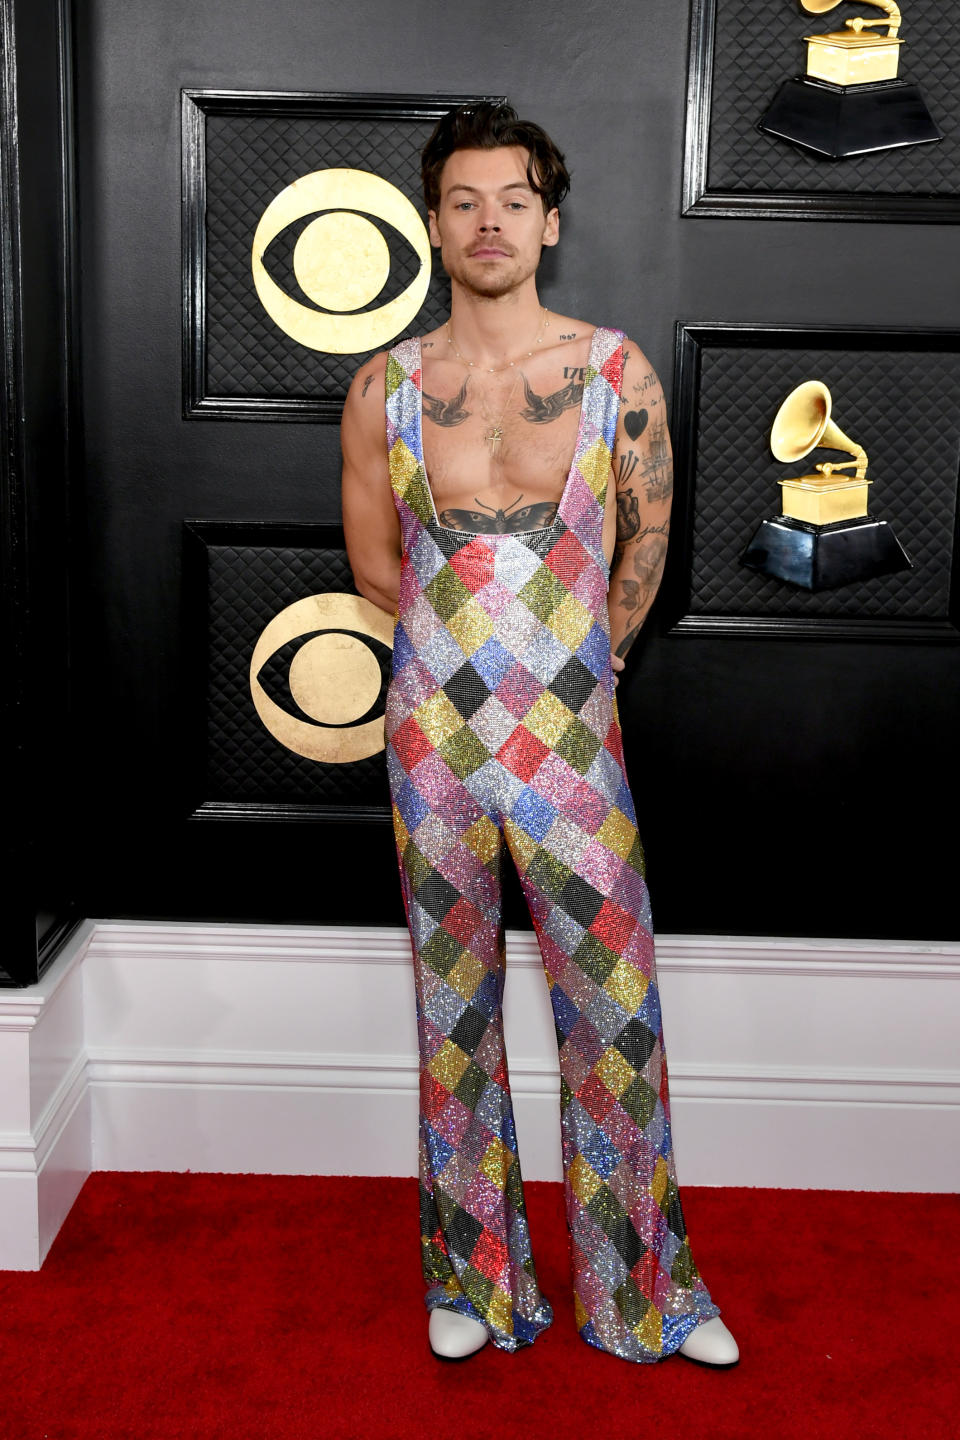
[783, 786]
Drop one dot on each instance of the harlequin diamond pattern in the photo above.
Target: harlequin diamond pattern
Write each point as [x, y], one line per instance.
[753, 57]
[501, 728]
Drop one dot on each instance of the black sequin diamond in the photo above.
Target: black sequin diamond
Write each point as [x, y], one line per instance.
[437, 895]
[469, 1030]
[467, 690]
[581, 900]
[462, 1232]
[629, 1246]
[636, 1042]
[574, 684]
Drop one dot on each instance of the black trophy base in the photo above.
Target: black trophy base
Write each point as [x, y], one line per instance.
[823, 557]
[840, 120]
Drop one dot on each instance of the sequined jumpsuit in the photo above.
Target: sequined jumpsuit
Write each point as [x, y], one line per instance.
[502, 727]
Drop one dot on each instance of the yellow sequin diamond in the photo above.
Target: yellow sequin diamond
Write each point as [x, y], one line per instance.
[471, 626]
[571, 622]
[483, 837]
[658, 1185]
[615, 1072]
[400, 830]
[466, 975]
[548, 719]
[438, 718]
[496, 1162]
[617, 833]
[523, 847]
[584, 1180]
[448, 1064]
[595, 466]
[580, 1312]
[627, 985]
[650, 1330]
[404, 467]
[500, 1311]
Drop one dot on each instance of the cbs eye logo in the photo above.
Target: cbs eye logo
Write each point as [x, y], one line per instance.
[335, 677]
[341, 261]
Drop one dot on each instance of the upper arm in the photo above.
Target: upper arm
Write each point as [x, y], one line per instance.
[370, 523]
[642, 461]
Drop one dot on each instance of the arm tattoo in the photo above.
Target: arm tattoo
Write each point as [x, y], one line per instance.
[637, 595]
[447, 412]
[628, 516]
[366, 386]
[626, 464]
[541, 409]
[657, 471]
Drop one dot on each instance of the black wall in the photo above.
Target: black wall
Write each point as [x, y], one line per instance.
[784, 786]
[41, 746]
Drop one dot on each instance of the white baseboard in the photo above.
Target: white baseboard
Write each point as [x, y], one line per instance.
[292, 1050]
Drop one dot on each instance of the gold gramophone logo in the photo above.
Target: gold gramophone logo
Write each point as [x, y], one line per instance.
[341, 261]
[334, 677]
[850, 101]
[824, 536]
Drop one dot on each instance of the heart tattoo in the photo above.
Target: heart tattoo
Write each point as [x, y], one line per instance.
[635, 422]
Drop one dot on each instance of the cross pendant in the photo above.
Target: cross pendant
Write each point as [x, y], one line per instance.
[494, 437]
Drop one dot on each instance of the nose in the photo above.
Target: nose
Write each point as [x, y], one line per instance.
[488, 219]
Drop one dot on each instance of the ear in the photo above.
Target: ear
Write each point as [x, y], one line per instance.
[433, 229]
[551, 227]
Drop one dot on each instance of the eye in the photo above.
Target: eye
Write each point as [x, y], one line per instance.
[334, 234]
[319, 674]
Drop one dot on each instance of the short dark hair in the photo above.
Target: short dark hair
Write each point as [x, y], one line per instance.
[486, 126]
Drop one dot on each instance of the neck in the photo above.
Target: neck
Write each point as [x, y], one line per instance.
[493, 330]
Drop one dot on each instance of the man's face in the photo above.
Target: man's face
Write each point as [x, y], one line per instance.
[490, 225]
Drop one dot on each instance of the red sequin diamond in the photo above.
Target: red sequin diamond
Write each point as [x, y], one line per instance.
[613, 925]
[523, 754]
[410, 743]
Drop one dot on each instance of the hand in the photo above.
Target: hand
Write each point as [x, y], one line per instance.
[618, 666]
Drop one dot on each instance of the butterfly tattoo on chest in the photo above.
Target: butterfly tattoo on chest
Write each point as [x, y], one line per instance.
[510, 520]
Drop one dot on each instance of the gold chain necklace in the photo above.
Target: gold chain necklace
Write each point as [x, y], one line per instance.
[495, 434]
[511, 364]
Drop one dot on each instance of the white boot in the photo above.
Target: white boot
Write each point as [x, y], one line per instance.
[711, 1344]
[454, 1336]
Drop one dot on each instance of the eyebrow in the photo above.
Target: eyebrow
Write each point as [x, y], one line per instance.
[473, 189]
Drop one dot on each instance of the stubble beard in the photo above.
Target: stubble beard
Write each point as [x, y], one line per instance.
[487, 283]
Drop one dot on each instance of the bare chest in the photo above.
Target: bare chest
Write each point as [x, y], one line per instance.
[500, 446]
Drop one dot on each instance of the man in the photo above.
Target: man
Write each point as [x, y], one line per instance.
[520, 452]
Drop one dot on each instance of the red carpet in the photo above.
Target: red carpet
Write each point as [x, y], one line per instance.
[288, 1308]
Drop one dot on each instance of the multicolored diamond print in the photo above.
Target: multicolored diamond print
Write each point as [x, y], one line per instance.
[502, 729]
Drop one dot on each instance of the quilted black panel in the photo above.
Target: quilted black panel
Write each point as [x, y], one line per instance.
[755, 52]
[902, 406]
[249, 159]
[247, 585]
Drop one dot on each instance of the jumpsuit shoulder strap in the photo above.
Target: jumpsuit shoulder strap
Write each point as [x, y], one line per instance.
[404, 389]
[601, 404]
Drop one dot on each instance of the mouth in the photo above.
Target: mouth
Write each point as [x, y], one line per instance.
[488, 252]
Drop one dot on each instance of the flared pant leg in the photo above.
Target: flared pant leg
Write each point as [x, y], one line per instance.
[474, 1233]
[637, 1291]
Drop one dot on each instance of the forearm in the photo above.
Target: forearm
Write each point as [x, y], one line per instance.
[634, 581]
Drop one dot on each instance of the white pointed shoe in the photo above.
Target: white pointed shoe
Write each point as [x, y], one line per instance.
[711, 1344]
[454, 1336]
